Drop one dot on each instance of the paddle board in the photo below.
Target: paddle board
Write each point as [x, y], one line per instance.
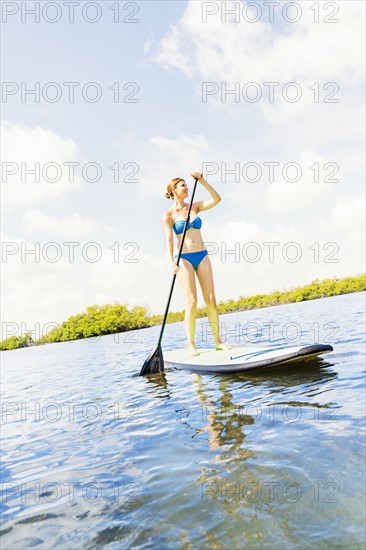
[240, 359]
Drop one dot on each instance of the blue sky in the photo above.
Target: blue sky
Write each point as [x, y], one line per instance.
[171, 132]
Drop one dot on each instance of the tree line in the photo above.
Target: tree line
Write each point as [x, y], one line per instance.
[112, 318]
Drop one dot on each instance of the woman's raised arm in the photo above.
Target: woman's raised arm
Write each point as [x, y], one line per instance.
[205, 205]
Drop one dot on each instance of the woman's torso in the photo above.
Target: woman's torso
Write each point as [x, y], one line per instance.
[193, 240]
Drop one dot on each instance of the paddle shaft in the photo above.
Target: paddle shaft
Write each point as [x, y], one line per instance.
[179, 254]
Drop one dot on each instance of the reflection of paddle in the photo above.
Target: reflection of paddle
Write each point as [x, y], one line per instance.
[155, 362]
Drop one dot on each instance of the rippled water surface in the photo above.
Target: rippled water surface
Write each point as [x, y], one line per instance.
[95, 456]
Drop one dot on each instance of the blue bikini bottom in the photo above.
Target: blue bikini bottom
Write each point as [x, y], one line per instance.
[195, 258]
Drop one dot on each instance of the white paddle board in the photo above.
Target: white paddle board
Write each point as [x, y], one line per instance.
[239, 359]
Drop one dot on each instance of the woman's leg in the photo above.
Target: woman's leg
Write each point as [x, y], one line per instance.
[205, 278]
[187, 281]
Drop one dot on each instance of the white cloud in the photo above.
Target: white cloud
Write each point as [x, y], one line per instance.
[22, 144]
[347, 217]
[280, 257]
[179, 146]
[305, 52]
[37, 289]
[170, 156]
[283, 195]
[148, 43]
[70, 226]
[230, 50]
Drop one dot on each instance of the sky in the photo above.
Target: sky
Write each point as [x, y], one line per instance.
[265, 98]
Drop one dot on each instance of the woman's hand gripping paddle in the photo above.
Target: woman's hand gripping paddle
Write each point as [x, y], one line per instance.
[155, 362]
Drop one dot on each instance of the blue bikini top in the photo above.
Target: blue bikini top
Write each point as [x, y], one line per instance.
[178, 227]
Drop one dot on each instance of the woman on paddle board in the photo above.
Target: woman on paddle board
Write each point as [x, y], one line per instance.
[194, 260]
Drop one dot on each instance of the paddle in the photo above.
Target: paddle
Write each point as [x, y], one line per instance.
[155, 362]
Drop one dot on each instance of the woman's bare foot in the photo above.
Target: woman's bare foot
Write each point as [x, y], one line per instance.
[192, 351]
[222, 346]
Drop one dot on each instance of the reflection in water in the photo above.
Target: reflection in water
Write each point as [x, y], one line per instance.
[225, 419]
[158, 380]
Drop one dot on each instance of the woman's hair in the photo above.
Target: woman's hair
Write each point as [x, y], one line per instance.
[171, 185]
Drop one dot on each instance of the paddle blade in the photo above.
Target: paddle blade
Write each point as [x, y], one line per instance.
[154, 363]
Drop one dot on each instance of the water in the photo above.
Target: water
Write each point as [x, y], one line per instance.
[95, 456]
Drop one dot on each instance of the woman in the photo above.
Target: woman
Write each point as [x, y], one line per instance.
[194, 258]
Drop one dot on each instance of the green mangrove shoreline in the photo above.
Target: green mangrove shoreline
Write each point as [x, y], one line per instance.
[114, 318]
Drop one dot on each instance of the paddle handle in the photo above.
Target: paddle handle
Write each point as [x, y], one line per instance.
[179, 254]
